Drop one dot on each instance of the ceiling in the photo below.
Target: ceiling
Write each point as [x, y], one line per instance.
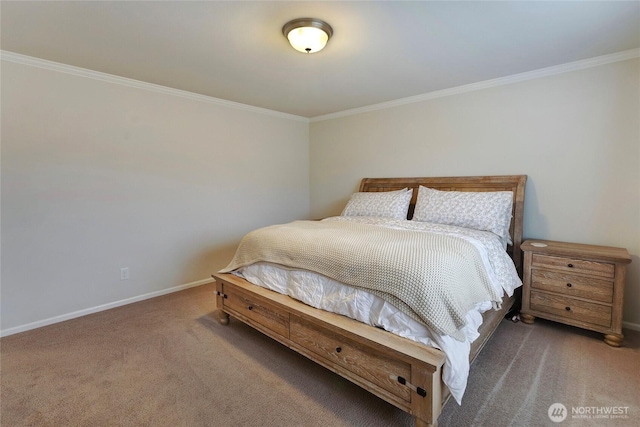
[380, 51]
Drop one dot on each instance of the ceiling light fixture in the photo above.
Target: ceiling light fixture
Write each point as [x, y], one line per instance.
[307, 35]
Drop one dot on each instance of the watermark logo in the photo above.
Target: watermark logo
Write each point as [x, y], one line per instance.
[557, 412]
[600, 412]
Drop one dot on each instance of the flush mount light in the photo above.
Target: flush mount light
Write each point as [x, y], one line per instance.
[307, 35]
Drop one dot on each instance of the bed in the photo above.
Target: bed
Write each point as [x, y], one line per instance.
[410, 373]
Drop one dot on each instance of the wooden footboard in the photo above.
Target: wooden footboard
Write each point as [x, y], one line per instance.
[402, 372]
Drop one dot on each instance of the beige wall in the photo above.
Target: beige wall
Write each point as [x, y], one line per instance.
[98, 176]
[576, 135]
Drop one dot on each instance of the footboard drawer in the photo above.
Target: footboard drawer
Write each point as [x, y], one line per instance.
[363, 361]
[258, 310]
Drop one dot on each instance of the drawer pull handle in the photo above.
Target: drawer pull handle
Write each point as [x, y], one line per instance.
[422, 392]
[250, 307]
[569, 285]
[568, 308]
[570, 265]
[338, 349]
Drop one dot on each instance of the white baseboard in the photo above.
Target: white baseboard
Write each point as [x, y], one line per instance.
[91, 310]
[632, 326]
[80, 313]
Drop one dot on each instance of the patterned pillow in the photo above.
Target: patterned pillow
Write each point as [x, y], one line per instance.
[387, 204]
[487, 211]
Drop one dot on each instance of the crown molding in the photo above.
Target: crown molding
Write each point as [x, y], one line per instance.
[530, 75]
[123, 81]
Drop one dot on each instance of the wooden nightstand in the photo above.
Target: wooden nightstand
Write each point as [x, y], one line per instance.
[575, 284]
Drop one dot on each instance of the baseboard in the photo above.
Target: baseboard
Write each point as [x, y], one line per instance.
[80, 313]
[632, 326]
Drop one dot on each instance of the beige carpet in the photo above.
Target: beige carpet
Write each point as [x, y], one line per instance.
[167, 362]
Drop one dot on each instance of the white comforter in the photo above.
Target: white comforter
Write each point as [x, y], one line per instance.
[327, 294]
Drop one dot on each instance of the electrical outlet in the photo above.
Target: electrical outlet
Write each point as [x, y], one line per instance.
[124, 273]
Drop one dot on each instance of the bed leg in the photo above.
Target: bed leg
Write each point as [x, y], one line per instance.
[427, 405]
[422, 423]
[223, 317]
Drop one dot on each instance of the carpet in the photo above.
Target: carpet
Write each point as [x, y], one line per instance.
[168, 362]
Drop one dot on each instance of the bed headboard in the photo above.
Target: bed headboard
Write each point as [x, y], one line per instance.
[515, 183]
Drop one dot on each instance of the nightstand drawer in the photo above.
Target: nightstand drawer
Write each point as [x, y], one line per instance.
[571, 308]
[573, 265]
[572, 285]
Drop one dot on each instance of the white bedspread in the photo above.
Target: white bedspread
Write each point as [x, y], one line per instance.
[327, 294]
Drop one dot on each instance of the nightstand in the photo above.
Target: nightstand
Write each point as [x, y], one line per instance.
[575, 284]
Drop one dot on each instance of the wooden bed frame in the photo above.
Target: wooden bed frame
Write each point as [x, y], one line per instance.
[402, 372]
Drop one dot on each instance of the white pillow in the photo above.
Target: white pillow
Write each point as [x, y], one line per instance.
[387, 204]
[482, 210]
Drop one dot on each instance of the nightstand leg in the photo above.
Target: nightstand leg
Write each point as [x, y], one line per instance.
[527, 318]
[614, 340]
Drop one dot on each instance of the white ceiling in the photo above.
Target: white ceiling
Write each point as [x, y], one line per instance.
[380, 51]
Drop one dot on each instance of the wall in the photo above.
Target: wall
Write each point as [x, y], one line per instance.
[97, 176]
[576, 135]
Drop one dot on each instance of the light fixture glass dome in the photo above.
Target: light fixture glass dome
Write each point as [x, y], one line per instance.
[307, 35]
